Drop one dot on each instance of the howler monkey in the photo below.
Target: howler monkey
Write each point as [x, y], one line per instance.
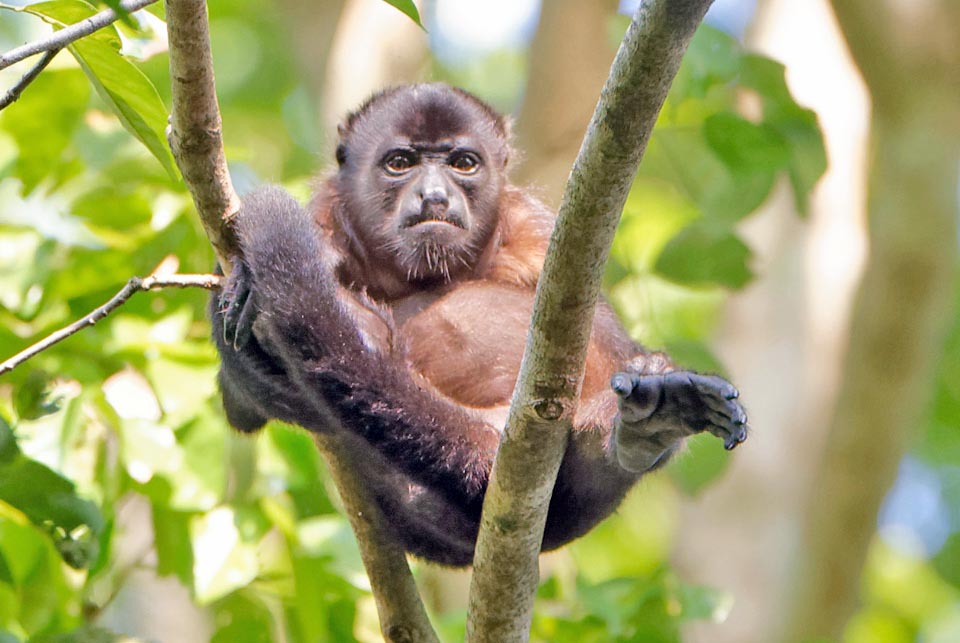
[398, 302]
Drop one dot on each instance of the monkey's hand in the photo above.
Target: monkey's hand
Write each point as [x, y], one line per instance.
[238, 306]
[658, 411]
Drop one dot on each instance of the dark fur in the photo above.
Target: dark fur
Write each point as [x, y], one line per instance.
[322, 319]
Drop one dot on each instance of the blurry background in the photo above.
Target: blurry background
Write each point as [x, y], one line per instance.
[741, 251]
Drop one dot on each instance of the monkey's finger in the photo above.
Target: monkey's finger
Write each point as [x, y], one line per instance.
[235, 306]
[622, 384]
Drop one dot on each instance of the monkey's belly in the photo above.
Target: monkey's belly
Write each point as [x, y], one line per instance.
[469, 343]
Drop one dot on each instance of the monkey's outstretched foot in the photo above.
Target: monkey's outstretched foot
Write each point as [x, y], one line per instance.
[237, 306]
[658, 411]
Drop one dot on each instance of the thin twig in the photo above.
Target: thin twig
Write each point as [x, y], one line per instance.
[63, 37]
[14, 93]
[135, 285]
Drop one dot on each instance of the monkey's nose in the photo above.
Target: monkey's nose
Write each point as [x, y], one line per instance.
[434, 209]
[435, 197]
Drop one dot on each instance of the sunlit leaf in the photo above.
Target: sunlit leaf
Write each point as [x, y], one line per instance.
[43, 121]
[62, 13]
[702, 255]
[745, 146]
[798, 126]
[50, 502]
[222, 561]
[129, 93]
[704, 604]
[407, 8]
[171, 533]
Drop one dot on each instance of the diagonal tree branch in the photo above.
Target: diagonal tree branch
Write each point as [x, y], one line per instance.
[14, 92]
[134, 285]
[514, 513]
[63, 37]
[195, 139]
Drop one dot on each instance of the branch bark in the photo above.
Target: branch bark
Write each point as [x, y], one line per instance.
[196, 142]
[899, 318]
[505, 564]
[63, 37]
[195, 134]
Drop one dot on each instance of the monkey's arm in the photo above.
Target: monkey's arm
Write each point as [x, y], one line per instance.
[317, 358]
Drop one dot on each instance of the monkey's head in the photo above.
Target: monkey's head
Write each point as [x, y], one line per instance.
[422, 168]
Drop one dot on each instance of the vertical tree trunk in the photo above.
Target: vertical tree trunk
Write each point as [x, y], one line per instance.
[902, 308]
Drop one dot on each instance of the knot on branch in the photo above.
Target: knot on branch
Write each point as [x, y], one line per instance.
[548, 409]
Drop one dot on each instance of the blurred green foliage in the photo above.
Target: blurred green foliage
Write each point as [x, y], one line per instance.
[125, 414]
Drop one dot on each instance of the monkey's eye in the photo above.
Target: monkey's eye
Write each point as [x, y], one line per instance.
[465, 162]
[398, 163]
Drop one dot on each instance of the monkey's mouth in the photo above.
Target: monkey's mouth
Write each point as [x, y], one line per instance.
[433, 219]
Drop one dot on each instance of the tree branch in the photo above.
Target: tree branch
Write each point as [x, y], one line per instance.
[195, 128]
[505, 564]
[403, 618]
[14, 92]
[63, 37]
[135, 285]
[195, 139]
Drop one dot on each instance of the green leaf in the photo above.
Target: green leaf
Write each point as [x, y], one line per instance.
[85, 634]
[6, 576]
[712, 60]
[797, 126]
[744, 146]
[171, 530]
[32, 399]
[222, 561]
[50, 502]
[407, 8]
[808, 154]
[767, 77]
[704, 604]
[702, 255]
[245, 621]
[130, 95]
[125, 89]
[43, 122]
[62, 13]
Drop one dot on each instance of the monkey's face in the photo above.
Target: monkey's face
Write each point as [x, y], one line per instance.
[437, 217]
[421, 175]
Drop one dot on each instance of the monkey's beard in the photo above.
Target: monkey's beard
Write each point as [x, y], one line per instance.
[424, 257]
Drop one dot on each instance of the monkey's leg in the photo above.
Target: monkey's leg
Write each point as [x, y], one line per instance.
[658, 411]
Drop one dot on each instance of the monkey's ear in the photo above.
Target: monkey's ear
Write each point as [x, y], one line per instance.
[342, 130]
[504, 126]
